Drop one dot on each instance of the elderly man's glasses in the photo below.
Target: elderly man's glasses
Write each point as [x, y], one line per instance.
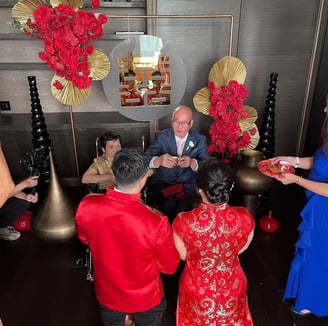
[181, 123]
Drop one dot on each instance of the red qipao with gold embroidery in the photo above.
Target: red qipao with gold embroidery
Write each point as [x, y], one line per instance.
[213, 286]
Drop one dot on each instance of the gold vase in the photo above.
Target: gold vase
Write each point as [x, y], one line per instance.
[54, 218]
[249, 181]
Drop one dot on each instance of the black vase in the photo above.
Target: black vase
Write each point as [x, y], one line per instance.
[267, 130]
[40, 138]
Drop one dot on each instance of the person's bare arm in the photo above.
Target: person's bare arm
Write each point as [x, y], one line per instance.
[320, 188]
[179, 244]
[90, 176]
[305, 163]
[29, 182]
[32, 198]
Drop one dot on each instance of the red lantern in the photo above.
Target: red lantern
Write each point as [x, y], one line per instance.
[24, 222]
[269, 223]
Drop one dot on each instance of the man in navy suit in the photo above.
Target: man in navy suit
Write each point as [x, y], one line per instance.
[175, 155]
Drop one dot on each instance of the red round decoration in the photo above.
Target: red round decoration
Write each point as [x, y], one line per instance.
[269, 223]
[24, 222]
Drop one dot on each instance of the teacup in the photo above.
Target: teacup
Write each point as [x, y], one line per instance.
[284, 166]
[176, 159]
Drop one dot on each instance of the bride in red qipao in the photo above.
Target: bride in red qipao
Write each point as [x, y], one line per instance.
[213, 286]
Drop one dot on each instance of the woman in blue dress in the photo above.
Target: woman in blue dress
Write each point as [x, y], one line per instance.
[308, 281]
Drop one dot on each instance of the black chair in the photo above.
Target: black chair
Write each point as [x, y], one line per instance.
[87, 260]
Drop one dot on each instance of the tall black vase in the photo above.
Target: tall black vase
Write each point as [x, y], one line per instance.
[267, 130]
[267, 135]
[54, 215]
[40, 137]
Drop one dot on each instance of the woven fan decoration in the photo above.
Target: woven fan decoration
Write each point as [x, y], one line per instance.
[66, 31]
[234, 127]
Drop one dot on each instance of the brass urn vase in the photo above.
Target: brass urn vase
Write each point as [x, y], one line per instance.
[54, 219]
[249, 181]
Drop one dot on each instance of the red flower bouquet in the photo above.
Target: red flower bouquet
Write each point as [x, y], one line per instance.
[227, 103]
[66, 31]
[234, 127]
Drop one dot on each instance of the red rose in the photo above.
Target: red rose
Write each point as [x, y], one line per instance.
[59, 66]
[49, 50]
[89, 49]
[95, 4]
[253, 131]
[78, 30]
[42, 56]
[210, 148]
[42, 13]
[81, 66]
[81, 15]
[64, 54]
[58, 85]
[71, 39]
[211, 86]
[102, 19]
[95, 30]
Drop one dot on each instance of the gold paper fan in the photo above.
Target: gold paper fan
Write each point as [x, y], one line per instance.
[69, 95]
[252, 117]
[202, 100]
[99, 65]
[23, 10]
[76, 4]
[227, 69]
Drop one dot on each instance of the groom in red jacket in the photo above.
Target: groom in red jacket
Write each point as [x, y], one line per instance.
[131, 244]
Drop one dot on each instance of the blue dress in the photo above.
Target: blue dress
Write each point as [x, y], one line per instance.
[308, 276]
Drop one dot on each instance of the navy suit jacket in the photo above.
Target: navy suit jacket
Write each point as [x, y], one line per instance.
[165, 143]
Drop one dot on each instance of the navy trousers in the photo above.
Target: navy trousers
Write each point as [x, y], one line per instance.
[11, 210]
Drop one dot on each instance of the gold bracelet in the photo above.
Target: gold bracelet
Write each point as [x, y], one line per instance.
[300, 183]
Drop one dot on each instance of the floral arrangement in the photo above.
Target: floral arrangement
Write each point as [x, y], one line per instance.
[66, 31]
[234, 126]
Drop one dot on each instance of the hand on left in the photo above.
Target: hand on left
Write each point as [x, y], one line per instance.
[32, 198]
[184, 161]
[31, 181]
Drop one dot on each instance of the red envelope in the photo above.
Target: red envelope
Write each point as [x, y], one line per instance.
[176, 189]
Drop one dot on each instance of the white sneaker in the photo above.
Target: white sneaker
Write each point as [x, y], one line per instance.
[9, 233]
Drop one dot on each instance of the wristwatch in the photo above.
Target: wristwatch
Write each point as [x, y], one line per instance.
[297, 162]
